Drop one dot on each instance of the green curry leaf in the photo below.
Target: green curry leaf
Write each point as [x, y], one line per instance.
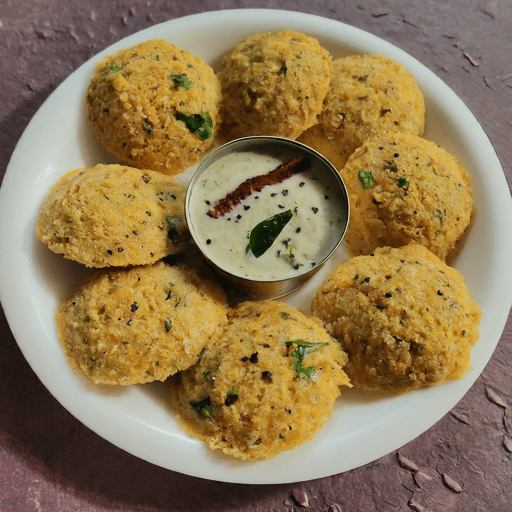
[264, 234]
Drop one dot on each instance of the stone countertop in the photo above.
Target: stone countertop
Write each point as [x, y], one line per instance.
[50, 462]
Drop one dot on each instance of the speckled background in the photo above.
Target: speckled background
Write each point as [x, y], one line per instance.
[51, 462]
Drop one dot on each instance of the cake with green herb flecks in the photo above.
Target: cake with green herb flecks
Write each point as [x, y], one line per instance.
[114, 215]
[368, 95]
[139, 325]
[405, 189]
[267, 384]
[406, 319]
[273, 83]
[154, 105]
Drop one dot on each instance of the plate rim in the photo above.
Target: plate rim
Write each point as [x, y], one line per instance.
[292, 17]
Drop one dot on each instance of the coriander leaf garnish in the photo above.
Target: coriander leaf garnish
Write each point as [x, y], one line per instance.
[264, 234]
[181, 80]
[366, 178]
[299, 354]
[172, 232]
[198, 124]
[203, 407]
[403, 182]
[147, 127]
[115, 68]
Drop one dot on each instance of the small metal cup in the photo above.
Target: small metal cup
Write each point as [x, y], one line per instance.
[258, 289]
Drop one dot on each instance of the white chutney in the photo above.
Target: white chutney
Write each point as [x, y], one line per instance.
[314, 197]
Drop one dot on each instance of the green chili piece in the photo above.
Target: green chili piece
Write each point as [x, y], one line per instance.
[366, 178]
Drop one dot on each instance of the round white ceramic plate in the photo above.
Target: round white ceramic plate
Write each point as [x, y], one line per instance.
[138, 419]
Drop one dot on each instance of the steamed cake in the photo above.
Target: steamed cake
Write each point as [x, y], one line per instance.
[251, 395]
[154, 106]
[368, 94]
[405, 318]
[113, 215]
[273, 84]
[404, 189]
[139, 325]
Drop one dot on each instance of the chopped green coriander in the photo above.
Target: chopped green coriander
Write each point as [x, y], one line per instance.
[157, 363]
[202, 354]
[402, 182]
[299, 354]
[172, 232]
[284, 314]
[233, 391]
[440, 214]
[115, 68]
[92, 358]
[181, 80]
[147, 127]
[356, 277]
[366, 178]
[168, 325]
[198, 124]
[203, 407]
[251, 51]
[264, 234]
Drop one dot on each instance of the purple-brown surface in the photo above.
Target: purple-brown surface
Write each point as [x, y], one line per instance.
[51, 462]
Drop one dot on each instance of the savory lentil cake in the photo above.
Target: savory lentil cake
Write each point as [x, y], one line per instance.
[368, 94]
[133, 326]
[113, 215]
[267, 384]
[405, 189]
[273, 83]
[405, 318]
[154, 105]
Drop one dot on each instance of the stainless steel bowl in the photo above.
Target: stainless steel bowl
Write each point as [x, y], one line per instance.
[263, 288]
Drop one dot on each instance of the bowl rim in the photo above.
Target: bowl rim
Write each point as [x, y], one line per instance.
[246, 143]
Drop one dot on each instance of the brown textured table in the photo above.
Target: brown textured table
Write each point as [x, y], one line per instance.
[51, 462]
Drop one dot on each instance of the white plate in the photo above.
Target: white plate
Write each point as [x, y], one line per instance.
[138, 419]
